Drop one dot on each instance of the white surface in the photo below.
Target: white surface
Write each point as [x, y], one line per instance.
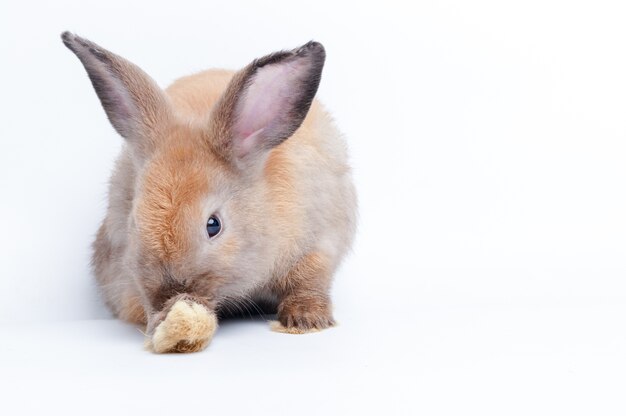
[439, 361]
[489, 274]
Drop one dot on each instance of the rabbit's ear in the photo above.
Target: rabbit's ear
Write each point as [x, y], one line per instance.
[266, 102]
[133, 102]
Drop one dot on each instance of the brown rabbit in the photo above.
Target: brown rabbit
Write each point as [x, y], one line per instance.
[232, 187]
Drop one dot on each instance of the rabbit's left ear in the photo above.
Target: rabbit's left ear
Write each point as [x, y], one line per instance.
[133, 102]
[266, 102]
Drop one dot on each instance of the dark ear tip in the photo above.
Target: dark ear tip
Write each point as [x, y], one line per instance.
[69, 39]
[314, 48]
[67, 36]
[313, 45]
[80, 45]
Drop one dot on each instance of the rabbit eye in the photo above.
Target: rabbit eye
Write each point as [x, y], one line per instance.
[213, 226]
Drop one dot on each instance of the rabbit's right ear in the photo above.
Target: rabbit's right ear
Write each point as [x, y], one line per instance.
[133, 102]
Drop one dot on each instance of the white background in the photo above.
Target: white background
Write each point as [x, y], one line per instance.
[488, 141]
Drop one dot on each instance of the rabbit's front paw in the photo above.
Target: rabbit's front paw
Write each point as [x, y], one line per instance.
[187, 327]
[303, 315]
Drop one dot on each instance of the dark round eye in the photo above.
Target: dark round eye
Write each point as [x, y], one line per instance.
[213, 226]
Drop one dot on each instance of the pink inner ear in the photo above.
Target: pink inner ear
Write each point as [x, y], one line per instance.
[266, 101]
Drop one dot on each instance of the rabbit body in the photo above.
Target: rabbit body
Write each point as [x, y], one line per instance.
[240, 147]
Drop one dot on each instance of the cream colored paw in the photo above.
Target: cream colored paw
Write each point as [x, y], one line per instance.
[188, 327]
[276, 326]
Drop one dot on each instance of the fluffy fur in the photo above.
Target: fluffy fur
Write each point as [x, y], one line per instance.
[187, 327]
[252, 147]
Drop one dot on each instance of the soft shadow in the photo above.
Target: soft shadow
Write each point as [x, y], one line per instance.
[258, 313]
